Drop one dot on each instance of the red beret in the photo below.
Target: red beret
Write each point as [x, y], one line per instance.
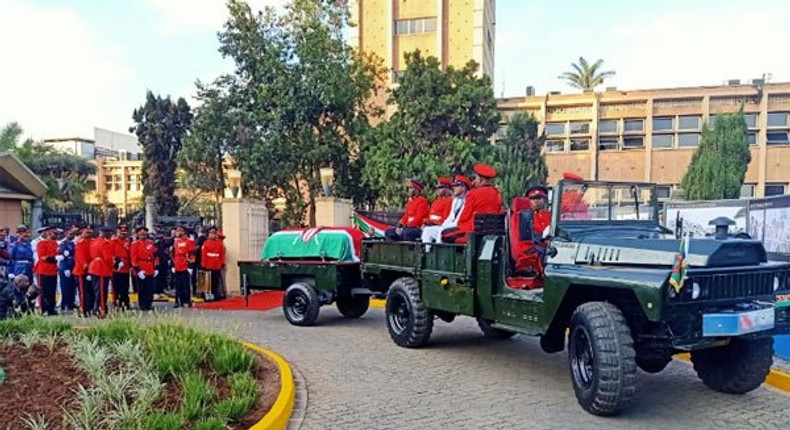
[220, 235]
[444, 182]
[462, 180]
[572, 177]
[416, 185]
[485, 171]
[537, 190]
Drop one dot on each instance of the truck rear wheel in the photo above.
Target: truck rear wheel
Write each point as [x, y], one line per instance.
[491, 332]
[301, 304]
[601, 358]
[408, 321]
[737, 368]
[353, 306]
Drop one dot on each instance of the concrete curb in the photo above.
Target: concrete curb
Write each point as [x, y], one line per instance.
[378, 303]
[278, 416]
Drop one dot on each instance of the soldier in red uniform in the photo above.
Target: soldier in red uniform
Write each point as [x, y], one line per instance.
[46, 269]
[532, 223]
[212, 259]
[121, 246]
[440, 208]
[408, 227]
[144, 261]
[483, 199]
[183, 261]
[82, 258]
[100, 268]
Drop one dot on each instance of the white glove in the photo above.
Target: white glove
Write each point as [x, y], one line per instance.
[120, 265]
[156, 273]
[11, 276]
[88, 278]
[59, 258]
[173, 270]
[190, 271]
[66, 253]
[141, 275]
[67, 273]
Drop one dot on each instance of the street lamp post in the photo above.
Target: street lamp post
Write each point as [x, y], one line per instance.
[234, 180]
[327, 180]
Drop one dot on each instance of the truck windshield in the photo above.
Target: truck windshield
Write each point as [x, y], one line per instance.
[607, 202]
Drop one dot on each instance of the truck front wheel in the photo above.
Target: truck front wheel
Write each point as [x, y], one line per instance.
[737, 368]
[601, 358]
[301, 304]
[409, 322]
[353, 306]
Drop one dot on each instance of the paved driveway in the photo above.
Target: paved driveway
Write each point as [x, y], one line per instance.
[356, 378]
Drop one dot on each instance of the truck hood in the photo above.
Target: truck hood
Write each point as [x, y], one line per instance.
[663, 252]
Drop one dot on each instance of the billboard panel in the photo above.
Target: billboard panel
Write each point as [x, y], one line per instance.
[697, 214]
[771, 223]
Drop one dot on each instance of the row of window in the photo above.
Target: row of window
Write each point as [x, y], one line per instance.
[415, 26]
[117, 187]
[660, 141]
[119, 178]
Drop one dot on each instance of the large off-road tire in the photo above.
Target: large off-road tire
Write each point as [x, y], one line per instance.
[301, 304]
[737, 368]
[353, 306]
[491, 332]
[601, 358]
[409, 322]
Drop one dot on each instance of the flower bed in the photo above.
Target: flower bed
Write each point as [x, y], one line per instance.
[123, 375]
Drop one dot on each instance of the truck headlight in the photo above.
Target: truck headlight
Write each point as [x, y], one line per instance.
[696, 290]
[776, 283]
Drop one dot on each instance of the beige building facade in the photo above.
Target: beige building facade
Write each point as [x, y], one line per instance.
[651, 135]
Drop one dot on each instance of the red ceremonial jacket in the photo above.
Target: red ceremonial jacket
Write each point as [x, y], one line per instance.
[183, 253]
[143, 256]
[416, 212]
[121, 249]
[440, 210]
[46, 265]
[481, 200]
[82, 256]
[102, 257]
[212, 254]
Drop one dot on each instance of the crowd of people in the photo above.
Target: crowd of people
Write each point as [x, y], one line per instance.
[86, 265]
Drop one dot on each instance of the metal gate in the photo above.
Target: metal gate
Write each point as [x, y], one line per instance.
[258, 222]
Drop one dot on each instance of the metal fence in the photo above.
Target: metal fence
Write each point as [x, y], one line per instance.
[258, 222]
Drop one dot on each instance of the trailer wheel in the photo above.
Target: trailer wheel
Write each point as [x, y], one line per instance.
[601, 358]
[409, 322]
[301, 304]
[353, 306]
[493, 333]
[737, 368]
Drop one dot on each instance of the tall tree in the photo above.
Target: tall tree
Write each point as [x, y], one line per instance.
[586, 76]
[443, 123]
[519, 158]
[297, 102]
[161, 124]
[719, 164]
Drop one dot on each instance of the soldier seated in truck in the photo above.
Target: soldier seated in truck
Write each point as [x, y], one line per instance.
[529, 220]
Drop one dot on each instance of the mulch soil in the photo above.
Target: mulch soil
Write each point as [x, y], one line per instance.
[39, 382]
[36, 374]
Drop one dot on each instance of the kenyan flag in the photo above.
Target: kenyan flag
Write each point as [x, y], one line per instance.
[678, 276]
[370, 226]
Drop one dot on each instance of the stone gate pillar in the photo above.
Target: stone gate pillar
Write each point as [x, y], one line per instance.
[245, 224]
[333, 212]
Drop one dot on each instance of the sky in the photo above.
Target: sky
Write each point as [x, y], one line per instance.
[71, 65]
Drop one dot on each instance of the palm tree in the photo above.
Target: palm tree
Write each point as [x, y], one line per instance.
[586, 77]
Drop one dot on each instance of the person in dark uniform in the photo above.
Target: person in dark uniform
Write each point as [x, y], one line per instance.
[409, 226]
[16, 294]
[68, 285]
[21, 254]
[484, 198]
[163, 245]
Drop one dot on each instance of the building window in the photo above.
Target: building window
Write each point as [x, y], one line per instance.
[777, 119]
[555, 146]
[608, 126]
[751, 120]
[116, 187]
[663, 191]
[555, 129]
[633, 125]
[663, 124]
[688, 122]
[107, 188]
[688, 140]
[609, 144]
[415, 26]
[712, 120]
[662, 140]
[747, 191]
[777, 138]
[751, 137]
[580, 127]
[107, 178]
[633, 143]
[774, 190]
[580, 144]
[128, 187]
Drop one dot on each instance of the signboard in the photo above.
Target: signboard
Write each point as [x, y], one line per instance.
[697, 214]
[769, 221]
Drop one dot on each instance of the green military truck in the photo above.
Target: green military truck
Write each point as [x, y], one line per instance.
[605, 291]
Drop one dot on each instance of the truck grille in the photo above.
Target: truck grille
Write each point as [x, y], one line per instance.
[738, 285]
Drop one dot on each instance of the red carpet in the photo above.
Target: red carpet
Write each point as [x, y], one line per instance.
[258, 302]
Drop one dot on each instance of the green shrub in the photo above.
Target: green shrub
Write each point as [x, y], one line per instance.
[243, 396]
[175, 349]
[198, 394]
[13, 328]
[113, 331]
[229, 356]
[210, 424]
[163, 421]
[243, 384]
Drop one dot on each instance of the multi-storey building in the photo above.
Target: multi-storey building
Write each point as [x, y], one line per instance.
[453, 31]
[650, 135]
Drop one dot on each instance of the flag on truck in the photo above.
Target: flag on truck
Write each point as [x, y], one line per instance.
[678, 275]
